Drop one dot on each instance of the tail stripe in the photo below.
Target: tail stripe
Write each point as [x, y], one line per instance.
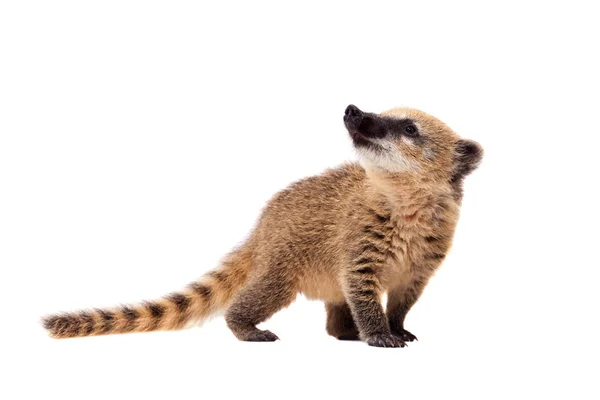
[157, 312]
[180, 300]
[87, 322]
[218, 275]
[108, 320]
[130, 318]
[201, 289]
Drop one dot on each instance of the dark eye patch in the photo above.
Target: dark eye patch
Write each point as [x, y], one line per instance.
[403, 127]
[372, 127]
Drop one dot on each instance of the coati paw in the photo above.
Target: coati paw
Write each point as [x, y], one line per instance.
[385, 340]
[261, 336]
[406, 336]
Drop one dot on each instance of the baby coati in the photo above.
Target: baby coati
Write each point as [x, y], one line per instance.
[345, 237]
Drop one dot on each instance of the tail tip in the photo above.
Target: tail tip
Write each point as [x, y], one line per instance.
[56, 325]
[49, 323]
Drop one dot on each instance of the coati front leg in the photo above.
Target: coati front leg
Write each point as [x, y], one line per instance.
[263, 296]
[363, 294]
[400, 301]
[340, 323]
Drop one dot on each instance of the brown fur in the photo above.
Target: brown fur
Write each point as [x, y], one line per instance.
[345, 237]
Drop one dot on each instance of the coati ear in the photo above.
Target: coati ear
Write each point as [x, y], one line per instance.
[467, 156]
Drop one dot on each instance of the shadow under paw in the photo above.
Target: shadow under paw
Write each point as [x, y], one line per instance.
[349, 336]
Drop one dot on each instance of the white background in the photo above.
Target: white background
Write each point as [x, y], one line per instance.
[139, 141]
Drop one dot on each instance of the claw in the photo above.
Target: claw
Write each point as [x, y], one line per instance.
[386, 340]
[406, 336]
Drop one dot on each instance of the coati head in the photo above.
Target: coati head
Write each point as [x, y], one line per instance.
[411, 142]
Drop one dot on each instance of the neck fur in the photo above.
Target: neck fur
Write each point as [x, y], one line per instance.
[406, 194]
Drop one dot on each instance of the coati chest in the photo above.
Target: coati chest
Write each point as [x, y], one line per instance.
[413, 244]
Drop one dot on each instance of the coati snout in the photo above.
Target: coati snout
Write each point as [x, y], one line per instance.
[367, 125]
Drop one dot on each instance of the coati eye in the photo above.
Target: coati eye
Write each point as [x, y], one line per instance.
[410, 130]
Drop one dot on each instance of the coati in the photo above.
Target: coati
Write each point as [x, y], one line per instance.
[345, 237]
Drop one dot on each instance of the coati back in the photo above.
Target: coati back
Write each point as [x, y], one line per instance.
[345, 237]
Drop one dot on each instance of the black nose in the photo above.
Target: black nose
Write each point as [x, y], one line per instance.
[353, 117]
[352, 111]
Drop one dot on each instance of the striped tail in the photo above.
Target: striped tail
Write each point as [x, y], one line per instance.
[175, 311]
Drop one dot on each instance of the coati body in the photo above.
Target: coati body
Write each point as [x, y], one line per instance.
[345, 237]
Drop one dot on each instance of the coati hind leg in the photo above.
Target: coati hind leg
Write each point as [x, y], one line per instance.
[340, 323]
[263, 296]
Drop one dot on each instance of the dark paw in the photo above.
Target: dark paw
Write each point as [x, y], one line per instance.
[349, 336]
[385, 340]
[406, 335]
[261, 336]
